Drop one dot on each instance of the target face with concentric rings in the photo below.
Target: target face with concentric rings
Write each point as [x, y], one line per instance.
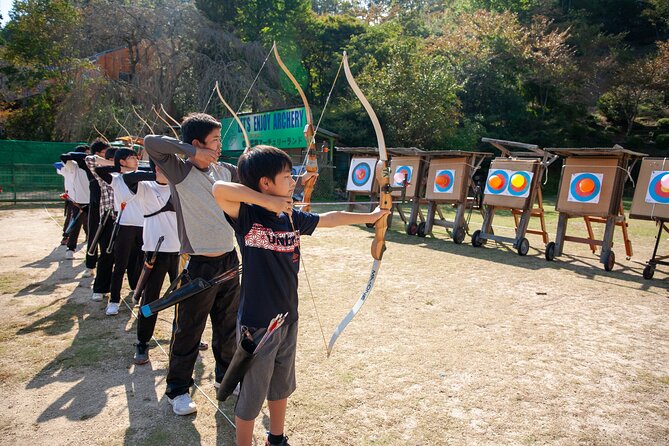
[658, 187]
[400, 174]
[497, 182]
[443, 181]
[361, 175]
[519, 183]
[585, 187]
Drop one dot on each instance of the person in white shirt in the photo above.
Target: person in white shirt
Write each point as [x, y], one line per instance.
[152, 194]
[127, 245]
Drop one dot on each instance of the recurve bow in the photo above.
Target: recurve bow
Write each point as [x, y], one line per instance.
[385, 202]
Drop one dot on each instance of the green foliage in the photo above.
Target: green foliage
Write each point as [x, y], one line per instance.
[40, 62]
[662, 141]
[663, 123]
[634, 142]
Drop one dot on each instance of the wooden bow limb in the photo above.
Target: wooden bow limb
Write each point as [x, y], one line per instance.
[234, 115]
[155, 110]
[144, 122]
[100, 133]
[311, 163]
[131, 139]
[174, 121]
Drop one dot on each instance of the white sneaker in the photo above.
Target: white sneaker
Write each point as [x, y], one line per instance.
[69, 254]
[97, 297]
[183, 404]
[88, 272]
[112, 309]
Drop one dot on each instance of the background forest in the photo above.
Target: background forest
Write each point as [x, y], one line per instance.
[440, 73]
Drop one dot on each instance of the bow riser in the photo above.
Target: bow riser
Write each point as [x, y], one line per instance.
[385, 202]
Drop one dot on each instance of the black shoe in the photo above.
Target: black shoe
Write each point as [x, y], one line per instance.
[203, 346]
[284, 442]
[141, 354]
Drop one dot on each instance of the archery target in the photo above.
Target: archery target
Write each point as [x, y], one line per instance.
[497, 182]
[585, 187]
[519, 183]
[444, 180]
[400, 173]
[658, 187]
[361, 174]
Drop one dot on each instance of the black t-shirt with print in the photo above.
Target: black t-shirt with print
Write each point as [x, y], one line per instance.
[270, 262]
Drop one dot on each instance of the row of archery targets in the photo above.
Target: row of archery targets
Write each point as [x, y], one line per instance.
[591, 188]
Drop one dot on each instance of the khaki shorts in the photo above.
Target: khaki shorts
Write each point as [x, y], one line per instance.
[272, 372]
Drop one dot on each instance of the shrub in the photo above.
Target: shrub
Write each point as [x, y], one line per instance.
[663, 124]
[662, 141]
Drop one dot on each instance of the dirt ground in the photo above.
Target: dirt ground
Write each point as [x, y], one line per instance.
[456, 346]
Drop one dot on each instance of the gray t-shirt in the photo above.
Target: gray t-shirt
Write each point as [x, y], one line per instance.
[203, 228]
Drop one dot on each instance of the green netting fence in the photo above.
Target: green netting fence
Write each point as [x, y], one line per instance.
[27, 171]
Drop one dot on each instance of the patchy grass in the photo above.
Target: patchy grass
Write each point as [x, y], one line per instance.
[13, 282]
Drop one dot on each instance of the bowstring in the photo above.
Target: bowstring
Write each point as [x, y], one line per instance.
[248, 92]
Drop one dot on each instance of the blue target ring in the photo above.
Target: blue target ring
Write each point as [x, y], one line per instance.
[503, 181]
[361, 174]
[443, 181]
[405, 171]
[518, 191]
[576, 191]
[655, 189]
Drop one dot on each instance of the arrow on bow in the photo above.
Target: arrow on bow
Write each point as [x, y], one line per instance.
[383, 179]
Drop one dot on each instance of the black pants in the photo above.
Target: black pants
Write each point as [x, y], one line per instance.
[67, 213]
[80, 212]
[93, 223]
[127, 257]
[167, 263]
[221, 302]
[102, 283]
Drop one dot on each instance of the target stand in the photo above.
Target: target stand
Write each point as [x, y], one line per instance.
[651, 202]
[361, 179]
[514, 183]
[449, 180]
[407, 176]
[591, 187]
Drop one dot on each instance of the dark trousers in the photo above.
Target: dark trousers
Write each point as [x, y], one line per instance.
[93, 223]
[103, 273]
[80, 212]
[127, 258]
[167, 263]
[67, 212]
[221, 303]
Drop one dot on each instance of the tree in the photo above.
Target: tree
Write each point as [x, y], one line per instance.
[41, 64]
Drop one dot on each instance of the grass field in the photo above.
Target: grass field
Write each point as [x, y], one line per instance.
[456, 346]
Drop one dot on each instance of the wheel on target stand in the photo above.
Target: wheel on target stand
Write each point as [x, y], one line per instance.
[648, 272]
[550, 251]
[610, 261]
[476, 239]
[412, 228]
[459, 235]
[523, 247]
[420, 231]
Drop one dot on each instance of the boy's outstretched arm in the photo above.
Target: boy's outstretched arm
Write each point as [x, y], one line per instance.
[339, 218]
[230, 195]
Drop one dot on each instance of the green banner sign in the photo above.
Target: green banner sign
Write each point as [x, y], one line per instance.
[281, 128]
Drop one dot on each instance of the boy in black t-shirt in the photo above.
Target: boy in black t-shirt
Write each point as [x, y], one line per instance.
[270, 246]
